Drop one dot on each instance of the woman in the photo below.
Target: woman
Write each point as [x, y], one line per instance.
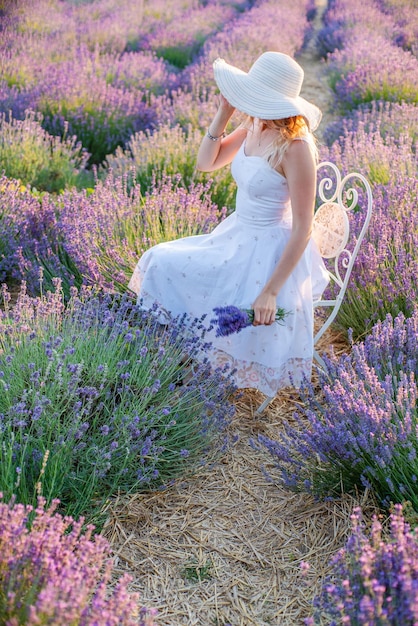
[261, 256]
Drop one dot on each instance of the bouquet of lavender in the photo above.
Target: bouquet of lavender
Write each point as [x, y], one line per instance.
[232, 319]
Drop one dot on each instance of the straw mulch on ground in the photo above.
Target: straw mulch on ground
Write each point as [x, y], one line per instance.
[225, 546]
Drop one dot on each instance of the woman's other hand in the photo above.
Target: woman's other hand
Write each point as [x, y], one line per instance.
[265, 307]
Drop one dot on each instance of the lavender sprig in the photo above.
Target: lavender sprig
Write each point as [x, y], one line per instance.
[231, 319]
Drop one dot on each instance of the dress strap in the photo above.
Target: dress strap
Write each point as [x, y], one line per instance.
[307, 138]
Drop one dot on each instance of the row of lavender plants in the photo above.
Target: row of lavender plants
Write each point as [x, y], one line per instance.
[375, 135]
[357, 429]
[54, 63]
[375, 85]
[378, 140]
[96, 400]
[98, 137]
[154, 165]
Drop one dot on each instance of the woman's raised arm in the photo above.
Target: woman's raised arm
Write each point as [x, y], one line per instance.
[216, 150]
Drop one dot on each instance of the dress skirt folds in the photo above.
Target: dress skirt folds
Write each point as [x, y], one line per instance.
[230, 266]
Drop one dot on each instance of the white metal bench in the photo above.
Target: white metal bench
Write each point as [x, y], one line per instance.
[331, 231]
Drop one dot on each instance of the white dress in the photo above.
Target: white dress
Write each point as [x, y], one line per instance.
[230, 266]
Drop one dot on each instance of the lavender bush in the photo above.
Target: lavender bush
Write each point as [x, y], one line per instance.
[405, 17]
[30, 238]
[113, 240]
[345, 19]
[170, 152]
[329, 38]
[179, 46]
[168, 212]
[370, 69]
[101, 116]
[391, 120]
[366, 65]
[10, 197]
[30, 154]
[96, 236]
[92, 404]
[374, 580]
[384, 278]
[54, 572]
[383, 160]
[141, 70]
[361, 430]
[113, 27]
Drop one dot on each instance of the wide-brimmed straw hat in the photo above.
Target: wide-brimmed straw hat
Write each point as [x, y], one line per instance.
[269, 90]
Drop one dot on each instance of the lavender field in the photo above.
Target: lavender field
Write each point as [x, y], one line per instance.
[129, 498]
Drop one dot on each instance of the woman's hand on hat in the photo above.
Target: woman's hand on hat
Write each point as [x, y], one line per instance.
[225, 106]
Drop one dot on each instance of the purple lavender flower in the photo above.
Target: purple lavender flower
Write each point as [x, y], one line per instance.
[374, 579]
[54, 572]
[231, 319]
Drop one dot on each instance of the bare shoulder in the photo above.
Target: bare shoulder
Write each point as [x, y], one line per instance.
[300, 147]
[299, 154]
[299, 164]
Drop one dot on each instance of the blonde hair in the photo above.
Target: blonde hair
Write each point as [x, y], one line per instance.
[288, 129]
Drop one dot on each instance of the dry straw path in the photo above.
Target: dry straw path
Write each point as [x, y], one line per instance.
[225, 547]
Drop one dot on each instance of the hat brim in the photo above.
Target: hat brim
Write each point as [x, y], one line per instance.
[253, 98]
